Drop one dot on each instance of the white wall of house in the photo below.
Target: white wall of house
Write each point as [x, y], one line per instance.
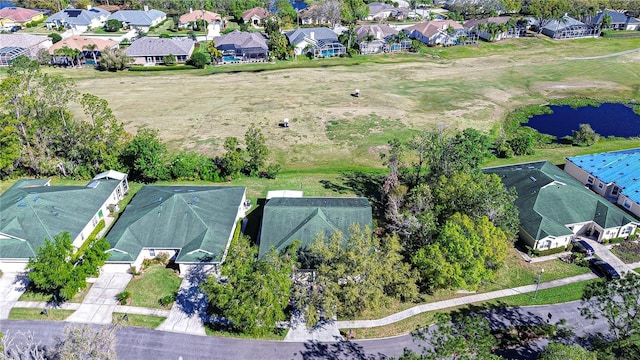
[552, 242]
[13, 266]
[103, 211]
[629, 204]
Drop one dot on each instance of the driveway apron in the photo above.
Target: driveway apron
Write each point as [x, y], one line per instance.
[12, 285]
[100, 302]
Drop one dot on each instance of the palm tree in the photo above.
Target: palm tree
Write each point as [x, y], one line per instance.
[92, 48]
[511, 26]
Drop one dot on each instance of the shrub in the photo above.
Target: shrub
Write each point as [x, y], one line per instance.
[200, 60]
[134, 271]
[165, 36]
[123, 297]
[55, 37]
[272, 171]
[551, 251]
[162, 258]
[167, 300]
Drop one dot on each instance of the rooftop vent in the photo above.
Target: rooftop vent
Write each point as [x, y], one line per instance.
[533, 179]
[160, 199]
[93, 184]
[22, 204]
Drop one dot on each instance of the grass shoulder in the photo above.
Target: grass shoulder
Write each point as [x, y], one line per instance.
[210, 331]
[31, 294]
[155, 283]
[37, 314]
[144, 321]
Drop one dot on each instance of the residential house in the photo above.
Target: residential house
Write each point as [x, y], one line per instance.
[32, 211]
[614, 175]
[17, 16]
[380, 11]
[321, 42]
[619, 20]
[554, 207]
[187, 20]
[150, 51]
[194, 225]
[81, 43]
[79, 20]
[502, 28]
[437, 32]
[255, 16]
[239, 46]
[287, 219]
[568, 28]
[14, 45]
[142, 20]
[374, 39]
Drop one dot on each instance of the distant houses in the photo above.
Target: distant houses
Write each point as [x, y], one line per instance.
[255, 16]
[437, 32]
[79, 20]
[238, 46]
[18, 16]
[188, 20]
[567, 28]
[619, 20]
[142, 20]
[320, 42]
[14, 45]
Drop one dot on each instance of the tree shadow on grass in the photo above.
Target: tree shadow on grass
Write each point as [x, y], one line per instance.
[368, 185]
[191, 300]
[342, 349]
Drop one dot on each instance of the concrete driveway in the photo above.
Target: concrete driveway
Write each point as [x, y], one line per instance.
[605, 254]
[12, 285]
[188, 313]
[100, 302]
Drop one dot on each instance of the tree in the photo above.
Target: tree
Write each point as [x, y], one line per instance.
[233, 157]
[92, 48]
[618, 302]
[22, 346]
[256, 149]
[465, 254]
[114, 59]
[251, 294]
[112, 25]
[145, 157]
[522, 144]
[216, 54]
[286, 12]
[468, 337]
[605, 23]
[352, 11]
[558, 351]
[43, 57]
[71, 269]
[200, 60]
[55, 37]
[169, 59]
[546, 11]
[87, 343]
[353, 274]
[585, 135]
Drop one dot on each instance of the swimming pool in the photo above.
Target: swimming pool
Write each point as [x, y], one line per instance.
[228, 58]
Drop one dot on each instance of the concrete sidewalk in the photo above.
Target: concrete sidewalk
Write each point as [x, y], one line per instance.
[355, 324]
[12, 285]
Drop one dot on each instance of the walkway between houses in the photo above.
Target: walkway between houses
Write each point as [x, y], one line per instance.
[355, 324]
[100, 302]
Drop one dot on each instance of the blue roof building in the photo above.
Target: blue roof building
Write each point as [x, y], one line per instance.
[78, 19]
[619, 20]
[140, 19]
[614, 175]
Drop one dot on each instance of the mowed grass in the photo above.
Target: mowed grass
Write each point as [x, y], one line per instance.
[33, 295]
[560, 294]
[36, 314]
[145, 321]
[464, 87]
[156, 282]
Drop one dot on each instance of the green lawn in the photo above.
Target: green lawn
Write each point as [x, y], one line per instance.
[145, 321]
[32, 295]
[210, 332]
[556, 295]
[36, 314]
[628, 252]
[156, 282]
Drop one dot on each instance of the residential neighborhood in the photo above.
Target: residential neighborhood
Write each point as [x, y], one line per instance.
[319, 179]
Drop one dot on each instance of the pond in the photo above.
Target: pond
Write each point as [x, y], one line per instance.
[607, 120]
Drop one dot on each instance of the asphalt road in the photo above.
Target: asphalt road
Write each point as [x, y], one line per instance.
[143, 344]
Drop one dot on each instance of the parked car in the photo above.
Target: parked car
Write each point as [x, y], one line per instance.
[15, 28]
[604, 269]
[583, 247]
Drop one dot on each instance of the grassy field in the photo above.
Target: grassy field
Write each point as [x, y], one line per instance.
[559, 294]
[32, 295]
[157, 282]
[470, 86]
[36, 314]
[145, 321]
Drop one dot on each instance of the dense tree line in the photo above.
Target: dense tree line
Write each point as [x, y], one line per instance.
[40, 137]
[454, 222]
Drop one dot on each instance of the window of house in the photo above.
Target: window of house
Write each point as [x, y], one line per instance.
[627, 204]
[152, 252]
[94, 221]
[600, 185]
[615, 191]
[590, 180]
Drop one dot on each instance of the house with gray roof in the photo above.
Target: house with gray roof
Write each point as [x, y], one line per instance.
[378, 38]
[33, 210]
[287, 219]
[619, 20]
[239, 46]
[150, 51]
[319, 41]
[78, 19]
[139, 19]
[381, 11]
[193, 224]
[14, 45]
[554, 207]
[568, 28]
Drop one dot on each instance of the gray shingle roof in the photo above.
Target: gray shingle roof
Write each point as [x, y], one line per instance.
[198, 220]
[242, 39]
[555, 25]
[148, 46]
[616, 18]
[32, 212]
[383, 30]
[77, 16]
[137, 17]
[288, 219]
[319, 33]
